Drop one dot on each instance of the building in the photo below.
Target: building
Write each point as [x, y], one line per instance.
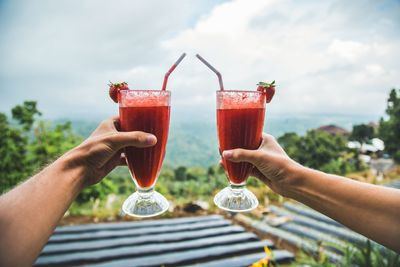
[333, 130]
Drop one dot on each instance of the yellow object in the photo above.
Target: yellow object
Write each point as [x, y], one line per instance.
[264, 261]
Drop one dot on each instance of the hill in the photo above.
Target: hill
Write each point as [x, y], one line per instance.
[193, 139]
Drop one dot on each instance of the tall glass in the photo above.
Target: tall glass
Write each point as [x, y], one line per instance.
[147, 111]
[240, 122]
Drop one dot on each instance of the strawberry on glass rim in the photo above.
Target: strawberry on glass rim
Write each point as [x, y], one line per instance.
[115, 88]
[268, 89]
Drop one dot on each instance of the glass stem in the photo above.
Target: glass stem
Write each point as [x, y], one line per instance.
[145, 193]
[237, 189]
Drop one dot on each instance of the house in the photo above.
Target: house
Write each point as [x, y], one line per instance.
[333, 130]
[374, 146]
[373, 125]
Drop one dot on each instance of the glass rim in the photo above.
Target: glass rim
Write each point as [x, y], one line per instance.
[145, 90]
[144, 98]
[238, 91]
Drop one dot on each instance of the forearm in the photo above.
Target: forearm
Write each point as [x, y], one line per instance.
[30, 212]
[373, 211]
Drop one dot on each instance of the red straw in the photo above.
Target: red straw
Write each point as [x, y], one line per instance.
[221, 84]
[164, 86]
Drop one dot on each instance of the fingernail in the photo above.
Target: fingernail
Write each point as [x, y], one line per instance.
[151, 139]
[227, 154]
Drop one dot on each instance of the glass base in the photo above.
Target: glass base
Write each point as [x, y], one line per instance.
[236, 199]
[145, 204]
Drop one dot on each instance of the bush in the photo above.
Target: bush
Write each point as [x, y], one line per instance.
[97, 191]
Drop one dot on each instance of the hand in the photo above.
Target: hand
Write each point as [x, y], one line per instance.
[272, 165]
[101, 152]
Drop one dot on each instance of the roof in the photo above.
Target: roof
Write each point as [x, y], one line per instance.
[308, 229]
[333, 129]
[373, 124]
[200, 241]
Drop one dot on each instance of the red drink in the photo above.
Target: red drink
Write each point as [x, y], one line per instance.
[240, 122]
[148, 114]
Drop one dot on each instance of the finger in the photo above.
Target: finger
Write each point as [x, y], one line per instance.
[221, 163]
[107, 125]
[120, 140]
[271, 143]
[242, 155]
[117, 124]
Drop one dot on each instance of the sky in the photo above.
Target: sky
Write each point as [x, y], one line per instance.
[327, 57]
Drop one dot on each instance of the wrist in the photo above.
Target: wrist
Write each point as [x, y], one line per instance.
[295, 179]
[72, 170]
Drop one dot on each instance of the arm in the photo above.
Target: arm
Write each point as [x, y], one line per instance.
[371, 210]
[30, 212]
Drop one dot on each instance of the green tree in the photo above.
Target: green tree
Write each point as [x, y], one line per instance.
[180, 173]
[389, 128]
[50, 142]
[28, 144]
[289, 142]
[25, 114]
[319, 150]
[362, 133]
[13, 143]
[100, 190]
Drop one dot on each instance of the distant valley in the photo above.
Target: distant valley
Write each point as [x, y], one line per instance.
[193, 139]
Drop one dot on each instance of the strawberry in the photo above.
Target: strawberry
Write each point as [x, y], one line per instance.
[115, 88]
[268, 89]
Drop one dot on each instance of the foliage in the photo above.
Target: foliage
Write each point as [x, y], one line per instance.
[363, 255]
[289, 142]
[97, 191]
[362, 133]
[192, 144]
[190, 183]
[320, 150]
[13, 167]
[25, 114]
[389, 129]
[29, 144]
[50, 142]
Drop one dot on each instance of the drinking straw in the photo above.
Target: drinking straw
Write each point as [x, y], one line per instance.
[164, 86]
[221, 84]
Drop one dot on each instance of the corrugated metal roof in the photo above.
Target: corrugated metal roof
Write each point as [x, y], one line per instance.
[200, 241]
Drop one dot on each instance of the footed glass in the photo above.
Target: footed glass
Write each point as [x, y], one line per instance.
[147, 111]
[240, 122]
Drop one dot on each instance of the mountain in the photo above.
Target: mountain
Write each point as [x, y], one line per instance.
[193, 139]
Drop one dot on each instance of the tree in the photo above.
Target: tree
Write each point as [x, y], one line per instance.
[319, 150]
[13, 152]
[29, 144]
[180, 173]
[389, 128]
[362, 133]
[50, 142]
[289, 142]
[25, 114]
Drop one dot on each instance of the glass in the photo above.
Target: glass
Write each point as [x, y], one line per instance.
[147, 111]
[240, 122]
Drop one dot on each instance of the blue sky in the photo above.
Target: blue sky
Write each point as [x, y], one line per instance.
[337, 57]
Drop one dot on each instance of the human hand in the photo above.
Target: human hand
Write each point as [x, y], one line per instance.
[101, 152]
[272, 165]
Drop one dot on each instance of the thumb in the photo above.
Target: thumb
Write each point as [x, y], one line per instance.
[240, 155]
[120, 140]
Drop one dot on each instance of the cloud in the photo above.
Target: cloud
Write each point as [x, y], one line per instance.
[348, 50]
[326, 56]
[64, 53]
